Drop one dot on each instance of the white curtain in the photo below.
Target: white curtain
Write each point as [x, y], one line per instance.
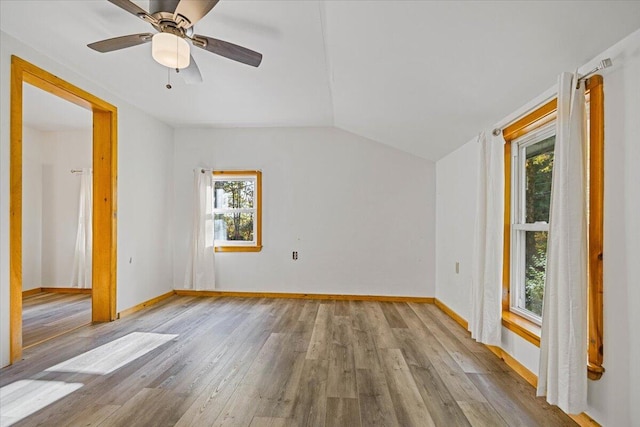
[81, 273]
[485, 321]
[200, 274]
[563, 347]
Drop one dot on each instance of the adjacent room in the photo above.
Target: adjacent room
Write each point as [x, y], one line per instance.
[56, 249]
[323, 212]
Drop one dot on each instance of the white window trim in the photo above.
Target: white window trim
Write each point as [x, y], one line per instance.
[518, 225]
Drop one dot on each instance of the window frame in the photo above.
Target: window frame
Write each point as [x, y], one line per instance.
[256, 245]
[530, 122]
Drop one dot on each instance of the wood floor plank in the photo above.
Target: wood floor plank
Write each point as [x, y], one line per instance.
[229, 364]
[260, 361]
[48, 315]
[25, 397]
[37, 359]
[391, 314]
[93, 415]
[264, 384]
[374, 399]
[442, 406]
[380, 329]
[342, 371]
[309, 311]
[471, 355]
[320, 339]
[482, 414]
[467, 360]
[413, 349]
[515, 401]
[424, 348]
[342, 412]
[492, 364]
[279, 389]
[287, 320]
[408, 404]
[210, 401]
[342, 308]
[310, 405]
[190, 364]
[142, 372]
[269, 422]
[148, 407]
[95, 386]
[364, 348]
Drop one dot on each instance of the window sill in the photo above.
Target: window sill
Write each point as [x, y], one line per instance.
[522, 327]
[531, 332]
[238, 248]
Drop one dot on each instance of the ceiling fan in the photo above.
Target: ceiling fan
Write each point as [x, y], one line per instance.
[174, 21]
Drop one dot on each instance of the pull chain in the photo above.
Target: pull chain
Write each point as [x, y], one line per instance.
[168, 86]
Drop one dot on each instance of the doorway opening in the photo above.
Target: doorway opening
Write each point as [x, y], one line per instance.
[56, 216]
[102, 161]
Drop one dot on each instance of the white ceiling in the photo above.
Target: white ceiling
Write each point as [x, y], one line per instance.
[422, 76]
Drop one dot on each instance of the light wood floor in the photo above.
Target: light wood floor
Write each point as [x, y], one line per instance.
[278, 362]
[46, 315]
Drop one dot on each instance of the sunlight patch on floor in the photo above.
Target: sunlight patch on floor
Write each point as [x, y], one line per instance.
[113, 355]
[22, 398]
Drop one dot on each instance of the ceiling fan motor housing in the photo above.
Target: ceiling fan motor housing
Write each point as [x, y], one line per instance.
[166, 24]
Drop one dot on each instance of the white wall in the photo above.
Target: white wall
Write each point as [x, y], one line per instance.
[32, 140]
[61, 152]
[145, 203]
[360, 214]
[613, 400]
[456, 197]
[145, 150]
[50, 194]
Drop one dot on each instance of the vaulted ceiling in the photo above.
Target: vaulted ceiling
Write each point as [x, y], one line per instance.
[422, 76]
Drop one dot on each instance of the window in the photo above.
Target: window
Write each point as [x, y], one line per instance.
[529, 149]
[237, 211]
[531, 167]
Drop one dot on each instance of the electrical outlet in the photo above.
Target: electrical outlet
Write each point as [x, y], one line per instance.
[457, 267]
[294, 255]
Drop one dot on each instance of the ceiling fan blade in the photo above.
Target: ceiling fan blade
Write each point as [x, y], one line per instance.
[116, 43]
[191, 74]
[228, 50]
[192, 11]
[134, 9]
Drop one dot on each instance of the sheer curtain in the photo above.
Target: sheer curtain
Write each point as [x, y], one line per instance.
[81, 272]
[200, 274]
[563, 346]
[485, 322]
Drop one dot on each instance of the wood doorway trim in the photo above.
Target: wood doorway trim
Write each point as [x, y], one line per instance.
[105, 133]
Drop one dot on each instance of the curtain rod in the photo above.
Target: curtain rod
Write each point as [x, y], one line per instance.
[605, 63]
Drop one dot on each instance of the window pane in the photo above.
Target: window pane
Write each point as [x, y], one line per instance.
[234, 226]
[535, 267]
[234, 194]
[538, 165]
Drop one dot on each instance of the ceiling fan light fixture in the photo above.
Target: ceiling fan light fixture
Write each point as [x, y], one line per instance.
[170, 50]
